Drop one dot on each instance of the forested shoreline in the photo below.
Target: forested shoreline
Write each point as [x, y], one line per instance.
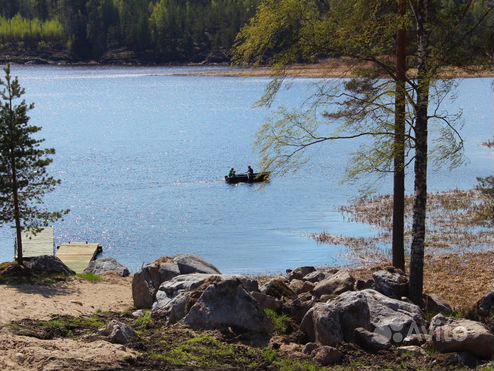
[118, 31]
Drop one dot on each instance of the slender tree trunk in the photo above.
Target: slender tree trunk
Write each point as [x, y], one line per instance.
[399, 145]
[17, 214]
[420, 203]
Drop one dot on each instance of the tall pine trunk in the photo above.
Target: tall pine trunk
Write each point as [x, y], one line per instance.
[399, 145]
[416, 283]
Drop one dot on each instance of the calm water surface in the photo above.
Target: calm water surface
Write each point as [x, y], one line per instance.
[142, 154]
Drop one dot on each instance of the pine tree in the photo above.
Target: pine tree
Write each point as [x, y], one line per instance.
[24, 179]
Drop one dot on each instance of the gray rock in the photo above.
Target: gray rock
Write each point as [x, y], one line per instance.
[335, 321]
[119, 332]
[48, 264]
[227, 304]
[485, 306]
[299, 286]
[145, 284]
[461, 335]
[371, 341]
[326, 355]
[300, 273]
[107, 265]
[315, 276]
[335, 285]
[138, 313]
[415, 339]
[434, 304]
[278, 288]
[391, 282]
[266, 301]
[194, 264]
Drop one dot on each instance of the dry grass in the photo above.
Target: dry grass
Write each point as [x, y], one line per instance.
[462, 280]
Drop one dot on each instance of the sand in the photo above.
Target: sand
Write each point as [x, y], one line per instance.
[75, 297]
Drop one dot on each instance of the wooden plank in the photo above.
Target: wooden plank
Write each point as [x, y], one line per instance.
[78, 255]
[36, 245]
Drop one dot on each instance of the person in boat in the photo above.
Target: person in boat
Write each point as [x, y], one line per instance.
[231, 174]
[250, 173]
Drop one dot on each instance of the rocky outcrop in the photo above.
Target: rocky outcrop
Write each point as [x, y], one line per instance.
[335, 321]
[145, 284]
[47, 264]
[119, 332]
[335, 284]
[461, 335]
[391, 282]
[277, 287]
[107, 265]
[227, 304]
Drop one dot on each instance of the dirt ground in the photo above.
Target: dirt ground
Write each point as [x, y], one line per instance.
[75, 298]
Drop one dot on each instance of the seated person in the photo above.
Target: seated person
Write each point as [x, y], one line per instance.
[231, 174]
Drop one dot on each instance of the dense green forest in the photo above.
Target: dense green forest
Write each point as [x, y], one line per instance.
[153, 30]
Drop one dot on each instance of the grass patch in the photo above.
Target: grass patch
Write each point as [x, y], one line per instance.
[208, 352]
[90, 277]
[280, 321]
[287, 364]
[58, 326]
[144, 322]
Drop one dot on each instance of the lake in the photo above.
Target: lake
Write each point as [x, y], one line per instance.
[142, 154]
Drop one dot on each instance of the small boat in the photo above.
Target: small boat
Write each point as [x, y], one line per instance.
[243, 178]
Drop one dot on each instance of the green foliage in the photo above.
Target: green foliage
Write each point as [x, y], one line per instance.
[287, 364]
[59, 326]
[279, 321]
[208, 352]
[90, 277]
[144, 322]
[23, 29]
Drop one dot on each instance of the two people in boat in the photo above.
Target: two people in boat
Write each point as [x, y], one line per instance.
[250, 173]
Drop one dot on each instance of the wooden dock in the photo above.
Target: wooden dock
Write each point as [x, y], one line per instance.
[78, 255]
[42, 243]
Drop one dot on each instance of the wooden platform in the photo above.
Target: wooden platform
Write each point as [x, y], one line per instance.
[36, 245]
[78, 255]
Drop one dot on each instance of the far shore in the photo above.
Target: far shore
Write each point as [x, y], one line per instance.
[331, 68]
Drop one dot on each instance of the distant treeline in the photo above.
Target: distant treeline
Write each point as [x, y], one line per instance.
[164, 30]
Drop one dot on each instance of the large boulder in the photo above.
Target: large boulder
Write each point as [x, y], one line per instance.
[299, 286]
[334, 285]
[391, 282]
[461, 335]
[47, 264]
[278, 288]
[335, 321]
[225, 305]
[315, 276]
[107, 265]
[145, 284]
